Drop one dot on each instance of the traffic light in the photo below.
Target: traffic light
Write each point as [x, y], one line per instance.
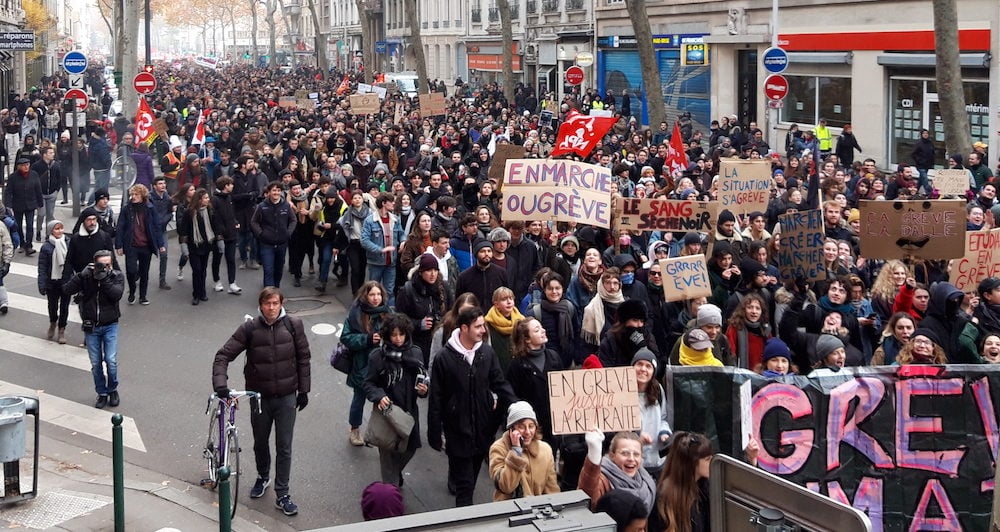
[148, 69]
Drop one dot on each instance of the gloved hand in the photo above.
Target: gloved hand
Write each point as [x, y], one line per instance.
[220, 245]
[87, 272]
[638, 339]
[184, 250]
[301, 400]
[222, 392]
[594, 440]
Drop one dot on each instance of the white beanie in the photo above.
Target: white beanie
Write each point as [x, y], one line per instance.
[518, 411]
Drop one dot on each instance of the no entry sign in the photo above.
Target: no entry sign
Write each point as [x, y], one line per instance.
[775, 87]
[574, 75]
[144, 83]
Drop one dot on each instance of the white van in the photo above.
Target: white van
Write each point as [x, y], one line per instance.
[408, 82]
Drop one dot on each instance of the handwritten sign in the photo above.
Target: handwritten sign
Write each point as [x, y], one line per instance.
[685, 277]
[666, 215]
[305, 103]
[557, 190]
[914, 228]
[364, 104]
[981, 260]
[160, 127]
[800, 255]
[432, 104]
[584, 399]
[364, 88]
[499, 162]
[287, 102]
[398, 113]
[744, 186]
[951, 182]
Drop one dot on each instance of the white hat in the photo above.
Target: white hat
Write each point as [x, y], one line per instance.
[518, 411]
[175, 142]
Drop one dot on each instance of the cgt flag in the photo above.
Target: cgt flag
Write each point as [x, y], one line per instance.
[345, 86]
[199, 130]
[580, 133]
[677, 159]
[144, 117]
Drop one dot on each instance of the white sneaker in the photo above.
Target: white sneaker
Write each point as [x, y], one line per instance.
[180, 275]
[233, 289]
[218, 286]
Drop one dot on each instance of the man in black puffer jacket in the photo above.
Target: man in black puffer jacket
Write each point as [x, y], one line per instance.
[229, 231]
[277, 367]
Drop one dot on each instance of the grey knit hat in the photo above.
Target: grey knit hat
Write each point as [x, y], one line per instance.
[518, 411]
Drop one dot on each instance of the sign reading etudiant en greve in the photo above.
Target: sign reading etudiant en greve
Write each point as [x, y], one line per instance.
[951, 182]
[800, 255]
[913, 228]
[744, 186]
[365, 104]
[666, 215]
[606, 399]
[558, 191]
[685, 277]
[981, 260]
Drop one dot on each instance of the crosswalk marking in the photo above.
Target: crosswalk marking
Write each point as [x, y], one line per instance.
[77, 417]
[47, 350]
[35, 305]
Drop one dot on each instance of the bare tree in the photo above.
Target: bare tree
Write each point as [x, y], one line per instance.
[507, 39]
[647, 61]
[367, 41]
[272, 60]
[130, 56]
[320, 42]
[410, 7]
[253, 30]
[957, 137]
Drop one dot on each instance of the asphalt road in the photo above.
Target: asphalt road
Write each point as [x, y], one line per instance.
[165, 357]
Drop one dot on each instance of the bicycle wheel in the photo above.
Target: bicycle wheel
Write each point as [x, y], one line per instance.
[233, 460]
[211, 452]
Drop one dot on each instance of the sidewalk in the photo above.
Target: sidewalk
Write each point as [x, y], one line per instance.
[76, 493]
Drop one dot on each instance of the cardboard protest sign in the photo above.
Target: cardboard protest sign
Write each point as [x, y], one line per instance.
[557, 190]
[365, 104]
[499, 162]
[912, 449]
[744, 185]
[666, 215]
[364, 88]
[685, 277]
[951, 182]
[800, 255]
[398, 114]
[160, 127]
[305, 103]
[432, 104]
[981, 260]
[913, 228]
[287, 101]
[582, 400]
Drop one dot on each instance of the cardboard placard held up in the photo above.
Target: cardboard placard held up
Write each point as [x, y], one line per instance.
[582, 400]
[744, 186]
[302, 94]
[685, 277]
[981, 260]
[287, 102]
[305, 103]
[365, 104]
[160, 127]
[433, 104]
[800, 255]
[398, 114]
[557, 190]
[914, 228]
[951, 182]
[499, 162]
[666, 215]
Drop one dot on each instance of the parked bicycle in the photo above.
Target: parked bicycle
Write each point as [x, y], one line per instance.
[223, 446]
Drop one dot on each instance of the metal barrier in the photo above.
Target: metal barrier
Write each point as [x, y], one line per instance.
[13, 433]
[225, 513]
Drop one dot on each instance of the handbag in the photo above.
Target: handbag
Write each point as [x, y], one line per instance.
[341, 359]
[385, 429]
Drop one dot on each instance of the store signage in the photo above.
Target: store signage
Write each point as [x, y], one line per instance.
[17, 40]
[671, 41]
[694, 54]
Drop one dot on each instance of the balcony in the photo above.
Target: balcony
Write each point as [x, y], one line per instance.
[574, 4]
[373, 6]
[477, 14]
[435, 24]
[423, 25]
[445, 23]
[550, 6]
[494, 15]
[515, 11]
[532, 6]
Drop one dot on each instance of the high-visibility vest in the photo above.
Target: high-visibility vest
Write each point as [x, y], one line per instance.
[823, 136]
[173, 161]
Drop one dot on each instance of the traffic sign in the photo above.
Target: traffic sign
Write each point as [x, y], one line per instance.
[775, 60]
[775, 87]
[76, 81]
[144, 83]
[574, 75]
[81, 98]
[76, 119]
[75, 62]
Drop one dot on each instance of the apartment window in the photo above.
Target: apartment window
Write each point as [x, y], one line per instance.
[813, 97]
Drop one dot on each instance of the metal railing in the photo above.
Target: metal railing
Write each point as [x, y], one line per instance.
[494, 15]
[477, 14]
[550, 6]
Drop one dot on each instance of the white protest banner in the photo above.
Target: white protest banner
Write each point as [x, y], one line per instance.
[364, 88]
[913, 229]
[582, 400]
[800, 255]
[981, 260]
[557, 190]
[951, 182]
[744, 186]
[685, 277]
[666, 215]
[364, 104]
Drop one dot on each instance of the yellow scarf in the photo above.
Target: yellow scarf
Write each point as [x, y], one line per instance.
[500, 324]
[690, 357]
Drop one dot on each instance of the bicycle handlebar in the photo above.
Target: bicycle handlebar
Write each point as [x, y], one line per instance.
[235, 395]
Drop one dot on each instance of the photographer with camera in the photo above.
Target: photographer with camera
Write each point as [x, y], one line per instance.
[425, 301]
[100, 287]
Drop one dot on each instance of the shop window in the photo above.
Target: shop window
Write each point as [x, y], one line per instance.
[813, 97]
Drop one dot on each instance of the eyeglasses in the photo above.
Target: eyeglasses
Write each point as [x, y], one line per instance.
[655, 274]
[922, 341]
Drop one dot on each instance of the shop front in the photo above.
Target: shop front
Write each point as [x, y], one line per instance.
[485, 62]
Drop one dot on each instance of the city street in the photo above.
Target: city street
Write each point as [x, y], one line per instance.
[165, 356]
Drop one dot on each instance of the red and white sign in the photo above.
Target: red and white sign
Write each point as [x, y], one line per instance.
[775, 87]
[81, 98]
[144, 83]
[574, 75]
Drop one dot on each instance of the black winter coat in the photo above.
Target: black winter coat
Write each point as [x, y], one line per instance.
[419, 300]
[277, 360]
[397, 380]
[273, 223]
[481, 283]
[23, 192]
[98, 298]
[45, 281]
[224, 217]
[81, 251]
[532, 385]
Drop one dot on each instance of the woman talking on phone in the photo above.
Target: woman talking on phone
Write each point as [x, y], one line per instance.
[521, 464]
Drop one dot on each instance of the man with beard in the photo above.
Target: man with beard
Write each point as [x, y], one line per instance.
[483, 277]
[86, 240]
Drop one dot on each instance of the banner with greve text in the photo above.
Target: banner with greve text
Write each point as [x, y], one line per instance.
[557, 190]
[912, 446]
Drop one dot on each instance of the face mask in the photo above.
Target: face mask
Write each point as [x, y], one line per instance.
[627, 278]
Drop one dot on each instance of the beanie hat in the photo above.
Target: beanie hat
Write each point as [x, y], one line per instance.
[749, 269]
[569, 239]
[930, 334]
[987, 285]
[52, 225]
[592, 362]
[826, 344]
[853, 216]
[644, 354]
[480, 244]
[380, 167]
[708, 314]
[631, 309]
[775, 347]
[697, 339]
[498, 234]
[427, 262]
[380, 500]
[623, 506]
[726, 216]
[722, 247]
[520, 410]
[101, 193]
[692, 237]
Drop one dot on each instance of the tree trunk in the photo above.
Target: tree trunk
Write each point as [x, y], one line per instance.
[320, 45]
[118, 14]
[367, 45]
[957, 137]
[507, 39]
[253, 31]
[417, 41]
[130, 57]
[272, 60]
[647, 61]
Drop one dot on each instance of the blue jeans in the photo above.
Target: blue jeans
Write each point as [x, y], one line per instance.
[922, 182]
[247, 245]
[102, 346]
[325, 259]
[357, 411]
[387, 276]
[272, 259]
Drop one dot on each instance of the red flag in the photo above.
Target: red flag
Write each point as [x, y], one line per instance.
[144, 123]
[345, 86]
[580, 134]
[199, 130]
[677, 159]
